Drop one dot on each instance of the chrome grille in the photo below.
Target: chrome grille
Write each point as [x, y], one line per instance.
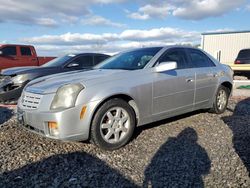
[31, 100]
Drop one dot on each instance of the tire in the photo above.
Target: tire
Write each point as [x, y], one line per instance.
[113, 124]
[219, 107]
[248, 75]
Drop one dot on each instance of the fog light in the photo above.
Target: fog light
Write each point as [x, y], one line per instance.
[53, 128]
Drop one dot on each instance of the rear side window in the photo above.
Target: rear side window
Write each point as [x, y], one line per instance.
[98, 59]
[25, 51]
[84, 61]
[9, 50]
[244, 54]
[176, 55]
[199, 59]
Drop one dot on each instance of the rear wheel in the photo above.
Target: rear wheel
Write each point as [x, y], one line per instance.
[113, 124]
[221, 100]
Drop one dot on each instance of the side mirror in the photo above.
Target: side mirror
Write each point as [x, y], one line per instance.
[166, 66]
[1, 52]
[73, 65]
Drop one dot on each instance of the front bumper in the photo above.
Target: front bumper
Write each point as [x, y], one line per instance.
[10, 92]
[240, 67]
[70, 126]
[11, 95]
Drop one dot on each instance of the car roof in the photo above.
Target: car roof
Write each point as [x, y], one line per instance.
[168, 46]
[245, 49]
[164, 47]
[88, 53]
[2, 45]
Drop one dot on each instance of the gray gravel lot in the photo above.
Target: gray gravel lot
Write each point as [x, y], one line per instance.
[195, 150]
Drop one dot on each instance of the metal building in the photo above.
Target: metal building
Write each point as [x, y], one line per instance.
[225, 46]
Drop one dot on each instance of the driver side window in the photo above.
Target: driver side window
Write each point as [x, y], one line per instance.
[176, 55]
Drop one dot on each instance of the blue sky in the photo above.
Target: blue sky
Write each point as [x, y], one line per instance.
[61, 26]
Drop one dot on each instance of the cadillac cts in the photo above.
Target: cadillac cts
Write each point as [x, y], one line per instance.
[133, 88]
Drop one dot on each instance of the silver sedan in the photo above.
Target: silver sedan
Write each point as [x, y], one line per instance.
[130, 89]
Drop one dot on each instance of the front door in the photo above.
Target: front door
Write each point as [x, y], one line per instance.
[173, 91]
[9, 57]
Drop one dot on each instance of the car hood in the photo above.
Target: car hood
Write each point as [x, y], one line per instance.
[50, 84]
[27, 70]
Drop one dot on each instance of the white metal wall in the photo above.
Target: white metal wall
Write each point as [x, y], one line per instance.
[225, 46]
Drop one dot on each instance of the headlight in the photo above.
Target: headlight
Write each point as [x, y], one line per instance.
[19, 79]
[66, 96]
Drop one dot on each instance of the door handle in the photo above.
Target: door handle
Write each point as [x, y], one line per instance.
[212, 75]
[189, 80]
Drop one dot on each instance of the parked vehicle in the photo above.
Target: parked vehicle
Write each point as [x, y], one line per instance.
[127, 90]
[14, 55]
[242, 62]
[13, 80]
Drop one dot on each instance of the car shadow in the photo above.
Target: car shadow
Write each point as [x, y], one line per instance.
[5, 114]
[77, 169]
[239, 123]
[180, 162]
[140, 129]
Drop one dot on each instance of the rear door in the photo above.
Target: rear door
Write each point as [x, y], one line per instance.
[173, 91]
[206, 74]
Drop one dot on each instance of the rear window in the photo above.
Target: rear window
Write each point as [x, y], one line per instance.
[98, 59]
[199, 59]
[244, 54]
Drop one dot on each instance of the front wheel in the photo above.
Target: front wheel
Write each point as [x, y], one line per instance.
[113, 124]
[221, 100]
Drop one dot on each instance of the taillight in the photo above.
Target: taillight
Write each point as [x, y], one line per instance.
[237, 62]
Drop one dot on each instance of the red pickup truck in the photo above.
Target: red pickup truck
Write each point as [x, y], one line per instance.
[12, 55]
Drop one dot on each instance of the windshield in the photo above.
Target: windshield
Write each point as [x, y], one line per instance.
[132, 60]
[57, 62]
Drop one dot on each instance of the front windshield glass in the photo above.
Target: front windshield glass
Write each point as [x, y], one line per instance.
[57, 62]
[132, 60]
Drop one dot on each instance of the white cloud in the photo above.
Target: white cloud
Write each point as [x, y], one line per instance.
[138, 16]
[165, 33]
[31, 12]
[248, 7]
[196, 10]
[100, 21]
[186, 9]
[220, 30]
[56, 12]
[150, 11]
[49, 22]
[72, 39]
[112, 42]
[110, 48]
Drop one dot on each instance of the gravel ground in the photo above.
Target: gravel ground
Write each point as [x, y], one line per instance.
[195, 150]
